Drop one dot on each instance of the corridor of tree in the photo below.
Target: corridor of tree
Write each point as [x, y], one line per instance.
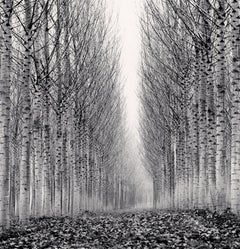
[109, 105]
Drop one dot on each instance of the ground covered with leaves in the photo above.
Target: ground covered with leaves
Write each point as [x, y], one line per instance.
[139, 229]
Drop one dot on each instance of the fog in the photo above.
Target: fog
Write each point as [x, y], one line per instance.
[125, 16]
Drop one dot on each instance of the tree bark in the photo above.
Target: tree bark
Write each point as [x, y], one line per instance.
[5, 80]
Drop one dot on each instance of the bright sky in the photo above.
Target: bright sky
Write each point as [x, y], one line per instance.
[127, 13]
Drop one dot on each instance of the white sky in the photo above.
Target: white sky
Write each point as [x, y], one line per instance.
[127, 13]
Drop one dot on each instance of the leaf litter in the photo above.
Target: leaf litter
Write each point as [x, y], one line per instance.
[140, 229]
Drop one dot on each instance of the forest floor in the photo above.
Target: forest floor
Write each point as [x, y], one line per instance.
[139, 229]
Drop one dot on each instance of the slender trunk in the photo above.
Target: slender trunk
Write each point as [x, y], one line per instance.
[58, 164]
[5, 115]
[65, 173]
[202, 134]
[211, 118]
[24, 198]
[47, 143]
[235, 143]
[76, 154]
[67, 85]
[46, 160]
[195, 136]
[221, 184]
[37, 136]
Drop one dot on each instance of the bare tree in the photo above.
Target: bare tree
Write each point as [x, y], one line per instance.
[61, 91]
[5, 83]
[187, 104]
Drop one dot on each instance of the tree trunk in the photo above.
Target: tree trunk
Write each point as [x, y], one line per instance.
[24, 198]
[221, 179]
[5, 67]
[235, 144]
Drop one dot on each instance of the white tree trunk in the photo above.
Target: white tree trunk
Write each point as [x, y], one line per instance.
[235, 146]
[5, 67]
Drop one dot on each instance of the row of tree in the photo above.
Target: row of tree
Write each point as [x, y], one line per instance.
[61, 131]
[191, 102]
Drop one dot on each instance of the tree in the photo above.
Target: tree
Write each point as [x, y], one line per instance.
[5, 83]
[187, 104]
[62, 111]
